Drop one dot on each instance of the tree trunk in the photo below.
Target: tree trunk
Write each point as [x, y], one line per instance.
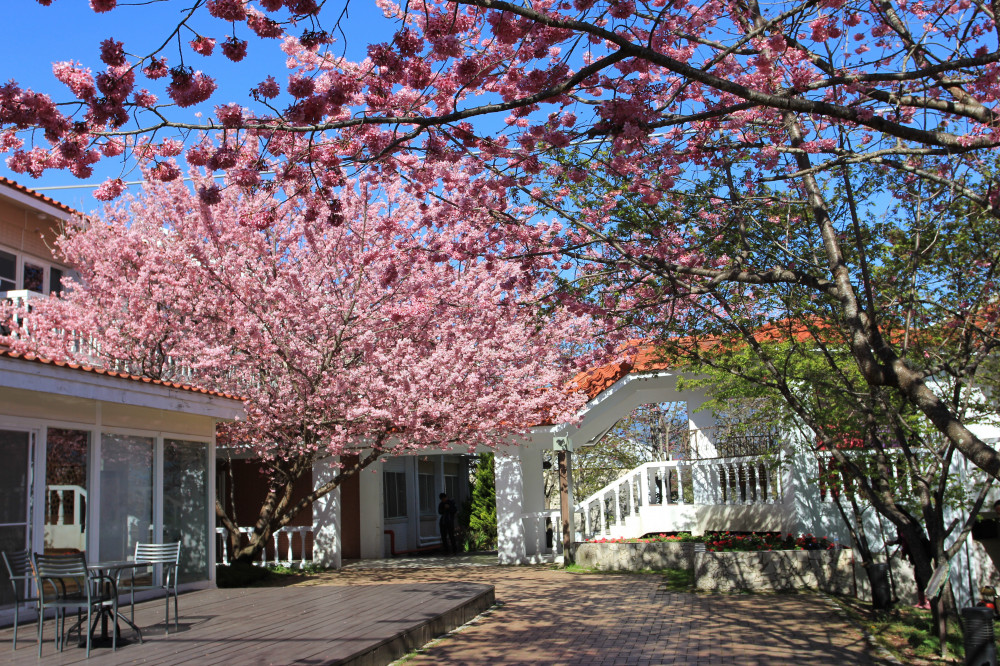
[278, 510]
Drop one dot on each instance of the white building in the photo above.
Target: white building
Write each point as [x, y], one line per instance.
[95, 460]
[703, 493]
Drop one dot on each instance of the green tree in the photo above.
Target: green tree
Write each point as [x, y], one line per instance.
[482, 506]
[871, 446]
[915, 280]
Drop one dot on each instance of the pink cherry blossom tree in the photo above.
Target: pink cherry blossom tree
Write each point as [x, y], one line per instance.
[354, 331]
[784, 102]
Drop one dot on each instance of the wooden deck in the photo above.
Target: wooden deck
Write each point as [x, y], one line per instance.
[357, 625]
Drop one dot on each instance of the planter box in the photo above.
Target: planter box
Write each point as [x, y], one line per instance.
[775, 571]
[762, 571]
[635, 556]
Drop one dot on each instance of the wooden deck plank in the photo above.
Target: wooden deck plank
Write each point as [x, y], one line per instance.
[320, 624]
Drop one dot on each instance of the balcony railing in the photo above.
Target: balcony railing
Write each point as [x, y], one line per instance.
[88, 347]
[21, 299]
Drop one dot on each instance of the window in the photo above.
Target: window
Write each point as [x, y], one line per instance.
[428, 498]
[394, 485]
[451, 475]
[34, 277]
[185, 504]
[66, 489]
[55, 280]
[8, 271]
[126, 494]
[451, 487]
[19, 272]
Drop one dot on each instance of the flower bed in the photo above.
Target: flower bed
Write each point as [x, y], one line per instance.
[728, 542]
[737, 541]
[730, 562]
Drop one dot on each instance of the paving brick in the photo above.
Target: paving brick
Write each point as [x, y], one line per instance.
[548, 616]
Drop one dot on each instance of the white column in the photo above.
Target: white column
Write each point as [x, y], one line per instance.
[327, 546]
[703, 424]
[618, 506]
[573, 527]
[94, 467]
[212, 473]
[510, 505]
[602, 520]
[532, 479]
[644, 486]
[371, 512]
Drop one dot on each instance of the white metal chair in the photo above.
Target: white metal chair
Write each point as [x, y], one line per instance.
[168, 556]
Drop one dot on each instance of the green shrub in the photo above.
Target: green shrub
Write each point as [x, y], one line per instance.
[482, 507]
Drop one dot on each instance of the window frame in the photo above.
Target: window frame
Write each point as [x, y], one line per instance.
[391, 484]
[47, 266]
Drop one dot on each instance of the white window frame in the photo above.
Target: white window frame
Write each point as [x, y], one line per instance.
[20, 258]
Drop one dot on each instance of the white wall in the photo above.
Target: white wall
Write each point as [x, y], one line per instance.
[510, 505]
[372, 515]
[327, 546]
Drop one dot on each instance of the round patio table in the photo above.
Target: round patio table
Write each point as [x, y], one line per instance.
[108, 572]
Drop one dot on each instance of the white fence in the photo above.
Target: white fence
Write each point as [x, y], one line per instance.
[542, 532]
[744, 481]
[77, 343]
[283, 549]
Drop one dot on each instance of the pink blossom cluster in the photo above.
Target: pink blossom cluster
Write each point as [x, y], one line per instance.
[337, 334]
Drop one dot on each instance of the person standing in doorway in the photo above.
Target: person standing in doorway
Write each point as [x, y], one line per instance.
[446, 521]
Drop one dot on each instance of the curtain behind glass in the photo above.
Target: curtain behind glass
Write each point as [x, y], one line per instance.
[15, 448]
[185, 504]
[126, 494]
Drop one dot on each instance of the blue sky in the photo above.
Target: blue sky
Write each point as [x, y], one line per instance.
[69, 30]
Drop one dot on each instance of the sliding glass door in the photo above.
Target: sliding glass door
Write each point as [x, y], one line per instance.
[66, 498]
[126, 494]
[15, 509]
[185, 504]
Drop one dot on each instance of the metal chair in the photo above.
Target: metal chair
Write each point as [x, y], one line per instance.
[168, 556]
[63, 581]
[18, 565]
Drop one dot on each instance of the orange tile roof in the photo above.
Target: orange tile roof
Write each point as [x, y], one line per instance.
[121, 375]
[38, 195]
[644, 356]
[640, 357]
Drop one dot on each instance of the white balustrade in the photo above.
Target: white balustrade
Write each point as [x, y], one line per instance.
[284, 554]
[65, 517]
[61, 496]
[748, 480]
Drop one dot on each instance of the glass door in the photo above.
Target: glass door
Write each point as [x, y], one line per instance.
[185, 504]
[66, 495]
[126, 512]
[15, 495]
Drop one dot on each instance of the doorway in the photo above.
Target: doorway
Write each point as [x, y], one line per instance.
[15, 499]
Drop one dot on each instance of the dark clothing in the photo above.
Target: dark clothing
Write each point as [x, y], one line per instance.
[447, 511]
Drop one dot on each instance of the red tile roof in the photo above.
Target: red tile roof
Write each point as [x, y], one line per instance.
[643, 356]
[38, 195]
[122, 375]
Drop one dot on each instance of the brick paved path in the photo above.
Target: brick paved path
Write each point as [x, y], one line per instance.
[548, 616]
